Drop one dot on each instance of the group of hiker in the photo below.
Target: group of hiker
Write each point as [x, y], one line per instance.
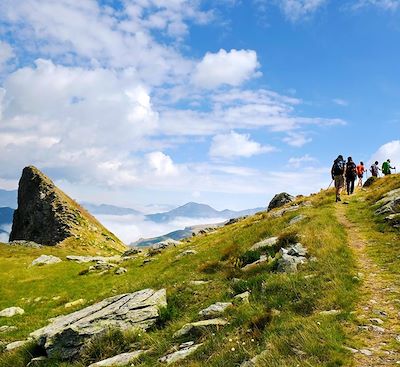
[345, 173]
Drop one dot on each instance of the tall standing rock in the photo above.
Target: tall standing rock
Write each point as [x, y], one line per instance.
[46, 215]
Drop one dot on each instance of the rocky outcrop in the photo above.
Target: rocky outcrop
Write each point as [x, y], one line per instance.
[47, 216]
[46, 260]
[390, 203]
[65, 335]
[280, 200]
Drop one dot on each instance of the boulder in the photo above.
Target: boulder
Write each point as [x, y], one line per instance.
[215, 310]
[102, 266]
[186, 253]
[65, 335]
[390, 203]
[268, 242]
[393, 220]
[184, 350]
[122, 359]
[280, 200]
[164, 244]
[131, 252]
[198, 326]
[370, 181]
[11, 311]
[235, 220]
[120, 271]
[45, 260]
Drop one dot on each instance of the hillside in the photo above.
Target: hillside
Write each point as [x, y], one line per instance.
[339, 309]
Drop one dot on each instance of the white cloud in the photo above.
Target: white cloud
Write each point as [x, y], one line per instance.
[390, 5]
[340, 102]
[162, 164]
[297, 139]
[230, 68]
[234, 145]
[297, 10]
[6, 54]
[296, 162]
[390, 150]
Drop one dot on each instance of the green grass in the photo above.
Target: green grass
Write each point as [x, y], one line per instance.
[282, 317]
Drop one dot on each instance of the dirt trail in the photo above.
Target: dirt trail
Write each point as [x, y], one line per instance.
[380, 325]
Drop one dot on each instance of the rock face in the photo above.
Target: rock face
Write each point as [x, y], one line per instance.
[65, 335]
[280, 200]
[47, 216]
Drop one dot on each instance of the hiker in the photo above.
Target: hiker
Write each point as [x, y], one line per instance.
[337, 173]
[375, 169]
[386, 168]
[360, 173]
[351, 174]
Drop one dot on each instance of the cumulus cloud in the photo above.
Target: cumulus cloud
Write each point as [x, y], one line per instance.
[390, 150]
[296, 162]
[230, 68]
[234, 145]
[6, 54]
[162, 164]
[297, 139]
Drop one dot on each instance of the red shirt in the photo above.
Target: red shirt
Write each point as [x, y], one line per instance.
[360, 170]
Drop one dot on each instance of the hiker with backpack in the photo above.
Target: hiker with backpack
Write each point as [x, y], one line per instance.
[375, 169]
[337, 173]
[360, 173]
[386, 168]
[351, 175]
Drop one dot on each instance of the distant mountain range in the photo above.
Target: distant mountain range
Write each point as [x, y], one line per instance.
[196, 210]
[6, 218]
[105, 209]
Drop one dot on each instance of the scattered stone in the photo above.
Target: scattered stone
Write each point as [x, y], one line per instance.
[23, 243]
[120, 271]
[184, 350]
[37, 299]
[215, 310]
[75, 303]
[11, 311]
[268, 242]
[297, 219]
[279, 213]
[101, 266]
[366, 352]
[45, 260]
[330, 312]
[65, 335]
[95, 259]
[146, 261]
[7, 328]
[379, 312]
[352, 350]
[376, 321]
[56, 298]
[119, 360]
[16, 345]
[198, 326]
[280, 200]
[36, 362]
[261, 260]
[242, 297]
[255, 360]
[131, 252]
[186, 253]
[235, 220]
[291, 257]
[164, 244]
[393, 219]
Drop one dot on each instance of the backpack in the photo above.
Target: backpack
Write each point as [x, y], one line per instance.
[385, 168]
[338, 167]
[374, 170]
[351, 169]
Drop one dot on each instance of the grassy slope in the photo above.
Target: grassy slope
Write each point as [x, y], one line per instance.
[283, 315]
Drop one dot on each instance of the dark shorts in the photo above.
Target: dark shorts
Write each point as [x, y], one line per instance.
[360, 176]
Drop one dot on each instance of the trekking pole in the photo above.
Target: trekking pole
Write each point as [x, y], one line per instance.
[330, 185]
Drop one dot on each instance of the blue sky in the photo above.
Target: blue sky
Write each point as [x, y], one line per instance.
[223, 102]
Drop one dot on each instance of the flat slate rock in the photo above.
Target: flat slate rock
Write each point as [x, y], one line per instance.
[46, 260]
[65, 335]
[216, 309]
[122, 359]
[195, 327]
[268, 242]
[184, 350]
[261, 260]
[253, 362]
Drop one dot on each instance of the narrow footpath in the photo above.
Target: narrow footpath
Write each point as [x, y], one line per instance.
[379, 318]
